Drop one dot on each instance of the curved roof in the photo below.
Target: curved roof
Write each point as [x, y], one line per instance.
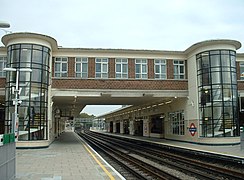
[49, 39]
[235, 43]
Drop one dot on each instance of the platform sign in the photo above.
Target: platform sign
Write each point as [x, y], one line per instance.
[193, 129]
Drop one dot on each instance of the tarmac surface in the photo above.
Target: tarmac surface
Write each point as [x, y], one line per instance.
[67, 158]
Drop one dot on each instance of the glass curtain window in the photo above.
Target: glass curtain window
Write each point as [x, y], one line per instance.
[179, 69]
[81, 67]
[141, 68]
[3, 61]
[61, 67]
[121, 68]
[33, 90]
[160, 69]
[101, 68]
[217, 91]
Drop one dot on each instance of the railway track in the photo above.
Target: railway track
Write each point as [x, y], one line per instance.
[146, 162]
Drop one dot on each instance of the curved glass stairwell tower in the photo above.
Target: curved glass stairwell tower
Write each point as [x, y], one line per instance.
[217, 89]
[33, 94]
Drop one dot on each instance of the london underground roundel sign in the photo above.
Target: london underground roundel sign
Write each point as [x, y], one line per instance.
[193, 129]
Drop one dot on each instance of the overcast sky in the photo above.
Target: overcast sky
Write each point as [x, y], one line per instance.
[128, 24]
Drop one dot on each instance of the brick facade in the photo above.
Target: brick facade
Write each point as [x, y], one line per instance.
[111, 67]
[91, 67]
[67, 83]
[150, 63]
[131, 68]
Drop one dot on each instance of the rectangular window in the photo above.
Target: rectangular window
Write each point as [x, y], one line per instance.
[101, 67]
[160, 69]
[179, 69]
[141, 68]
[61, 67]
[3, 61]
[242, 70]
[121, 68]
[177, 122]
[81, 67]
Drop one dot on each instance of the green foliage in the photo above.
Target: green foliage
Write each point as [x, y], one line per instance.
[85, 115]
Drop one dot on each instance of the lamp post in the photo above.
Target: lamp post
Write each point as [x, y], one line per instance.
[16, 101]
[4, 24]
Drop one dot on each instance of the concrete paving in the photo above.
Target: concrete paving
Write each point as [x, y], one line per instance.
[65, 159]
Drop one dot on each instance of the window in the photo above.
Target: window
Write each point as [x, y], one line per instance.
[160, 68]
[242, 70]
[81, 67]
[179, 69]
[121, 68]
[61, 67]
[177, 122]
[101, 68]
[141, 68]
[3, 61]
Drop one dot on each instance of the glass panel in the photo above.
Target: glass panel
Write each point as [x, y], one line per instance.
[78, 67]
[98, 67]
[37, 56]
[105, 69]
[84, 67]
[157, 69]
[57, 66]
[124, 66]
[64, 66]
[118, 67]
[138, 68]
[144, 68]
[225, 60]
[226, 77]
[216, 78]
[215, 60]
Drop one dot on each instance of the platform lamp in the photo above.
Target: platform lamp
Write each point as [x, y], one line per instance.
[16, 100]
[3, 25]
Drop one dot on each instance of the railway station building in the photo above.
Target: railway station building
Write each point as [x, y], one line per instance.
[194, 95]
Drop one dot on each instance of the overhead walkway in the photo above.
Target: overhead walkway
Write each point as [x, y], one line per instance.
[67, 158]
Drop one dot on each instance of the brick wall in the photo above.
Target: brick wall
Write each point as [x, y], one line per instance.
[91, 67]
[111, 67]
[131, 68]
[238, 70]
[170, 69]
[71, 67]
[150, 63]
[120, 84]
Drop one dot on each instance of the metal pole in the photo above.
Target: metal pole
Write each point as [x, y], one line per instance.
[16, 122]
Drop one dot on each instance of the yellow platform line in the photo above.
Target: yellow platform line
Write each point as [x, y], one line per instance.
[100, 164]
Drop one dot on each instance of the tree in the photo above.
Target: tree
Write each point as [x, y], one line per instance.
[85, 115]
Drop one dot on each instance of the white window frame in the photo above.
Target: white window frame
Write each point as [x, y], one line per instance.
[177, 123]
[161, 63]
[60, 72]
[104, 68]
[178, 65]
[119, 72]
[3, 61]
[142, 63]
[79, 72]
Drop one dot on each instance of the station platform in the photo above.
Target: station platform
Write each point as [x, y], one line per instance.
[234, 151]
[67, 158]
